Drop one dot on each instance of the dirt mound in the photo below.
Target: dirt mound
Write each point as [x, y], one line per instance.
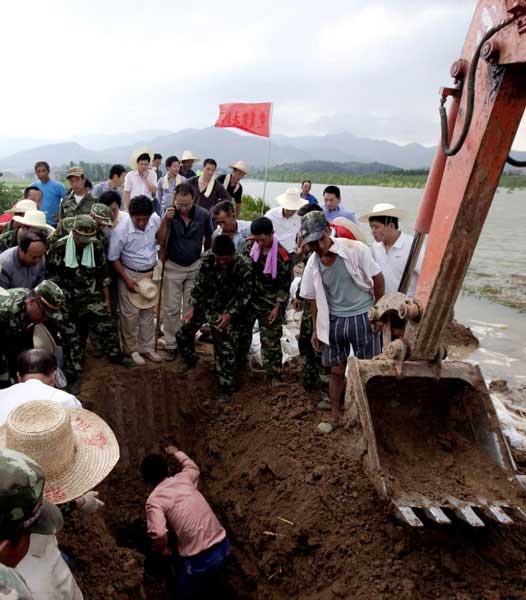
[303, 519]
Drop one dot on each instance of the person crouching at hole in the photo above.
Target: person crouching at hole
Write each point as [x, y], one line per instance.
[177, 507]
[220, 296]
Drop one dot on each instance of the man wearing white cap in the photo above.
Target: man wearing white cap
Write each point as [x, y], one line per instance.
[232, 185]
[187, 163]
[31, 220]
[18, 208]
[285, 219]
[391, 246]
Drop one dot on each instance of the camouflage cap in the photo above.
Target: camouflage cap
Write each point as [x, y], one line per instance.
[66, 225]
[52, 297]
[85, 226]
[22, 505]
[74, 172]
[313, 226]
[102, 214]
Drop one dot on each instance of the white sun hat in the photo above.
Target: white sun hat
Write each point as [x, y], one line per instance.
[188, 155]
[355, 229]
[34, 218]
[75, 447]
[147, 294]
[383, 209]
[136, 153]
[240, 165]
[22, 206]
[291, 199]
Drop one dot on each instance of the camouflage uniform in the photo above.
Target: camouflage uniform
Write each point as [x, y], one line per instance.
[266, 293]
[8, 240]
[16, 329]
[62, 229]
[84, 308]
[70, 208]
[217, 292]
[22, 508]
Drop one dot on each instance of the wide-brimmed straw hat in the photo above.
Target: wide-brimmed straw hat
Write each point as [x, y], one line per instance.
[136, 153]
[188, 155]
[34, 218]
[147, 294]
[383, 209]
[22, 206]
[240, 165]
[291, 199]
[355, 229]
[75, 447]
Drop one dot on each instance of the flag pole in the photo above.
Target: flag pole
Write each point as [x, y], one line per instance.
[268, 159]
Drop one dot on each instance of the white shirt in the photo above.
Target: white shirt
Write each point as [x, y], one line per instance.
[32, 389]
[78, 199]
[361, 267]
[136, 185]
[286, 230]
[393, 263]
[135, 248]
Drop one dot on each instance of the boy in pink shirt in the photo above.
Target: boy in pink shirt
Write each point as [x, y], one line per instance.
[176, 505]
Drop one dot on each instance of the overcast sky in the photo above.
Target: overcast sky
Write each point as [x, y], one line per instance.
[74, 68]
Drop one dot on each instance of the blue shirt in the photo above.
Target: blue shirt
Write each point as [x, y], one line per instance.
[310, 198]
[339, 212]
[52, 194]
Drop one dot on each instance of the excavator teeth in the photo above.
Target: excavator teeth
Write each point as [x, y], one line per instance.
[465, 513]
[407, 514]
[495, 513]
[519, 514]
[436, 514]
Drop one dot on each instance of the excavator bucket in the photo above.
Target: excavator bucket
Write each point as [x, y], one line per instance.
[434, 446]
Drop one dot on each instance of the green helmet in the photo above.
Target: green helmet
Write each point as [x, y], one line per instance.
[52, 298]
[102, 214]
[22, 505]
[313, 226]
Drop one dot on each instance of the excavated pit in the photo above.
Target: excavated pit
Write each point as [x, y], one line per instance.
[303, 519]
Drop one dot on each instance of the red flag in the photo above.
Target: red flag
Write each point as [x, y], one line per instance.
[254, 118]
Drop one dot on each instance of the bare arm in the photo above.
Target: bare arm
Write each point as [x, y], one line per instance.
[119, 269]
[314, 315]
[238, 209]
[379, 286]
[126, 200]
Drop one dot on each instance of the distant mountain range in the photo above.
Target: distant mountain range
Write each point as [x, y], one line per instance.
[223, 145]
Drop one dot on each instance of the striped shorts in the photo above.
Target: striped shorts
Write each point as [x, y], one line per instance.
[346, 333]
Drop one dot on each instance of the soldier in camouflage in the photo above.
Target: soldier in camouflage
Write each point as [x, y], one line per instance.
[220, 296]
[78, 201]
[23, 511]
[20, 310]
[18, 209]
[270, 295]
[78, 262]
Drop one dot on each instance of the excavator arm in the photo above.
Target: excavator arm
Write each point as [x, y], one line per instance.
[434, 446]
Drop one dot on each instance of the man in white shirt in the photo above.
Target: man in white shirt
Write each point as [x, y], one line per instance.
[228, 224]
[133, 253]
[285, 219]
[342, 281]
[36, 372]
[391, 247]
[142, 181]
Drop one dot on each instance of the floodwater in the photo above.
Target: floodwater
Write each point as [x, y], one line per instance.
[496, 279]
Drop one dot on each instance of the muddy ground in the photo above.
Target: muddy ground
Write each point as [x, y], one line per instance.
[303, 519]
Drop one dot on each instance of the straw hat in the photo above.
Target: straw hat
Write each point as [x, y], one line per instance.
[136, 153]
[147, 295]
[384, 210]
[34, 218]
[240, 165]
[75, 447]
[43, 339]
[22, 206]
[187, 155]
[356, 230]
[291, 199]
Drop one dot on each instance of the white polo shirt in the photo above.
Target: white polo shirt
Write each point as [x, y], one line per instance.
[393, 263]
[286, 230]
[32, 389]
[135, 184]
[135, 248]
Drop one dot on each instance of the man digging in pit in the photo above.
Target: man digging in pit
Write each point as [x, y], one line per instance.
[220, 296]
[176, 506]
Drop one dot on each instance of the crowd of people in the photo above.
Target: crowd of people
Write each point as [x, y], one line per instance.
[138, 265]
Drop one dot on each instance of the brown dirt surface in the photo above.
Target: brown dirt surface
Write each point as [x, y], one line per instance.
[303, 519]
[459, 340]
